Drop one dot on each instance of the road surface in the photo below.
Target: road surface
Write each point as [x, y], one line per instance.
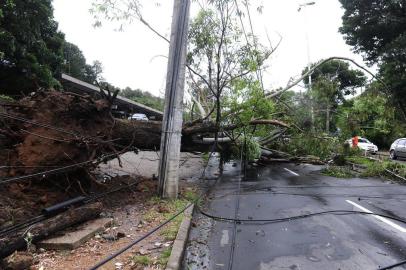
[349, 241]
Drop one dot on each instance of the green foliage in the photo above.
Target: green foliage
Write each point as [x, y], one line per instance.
[357, 159]
[75, 65]
[370, 115]
[308, 144]
[380, 169]
[243, 147]
[377, 29]
[171, 230]
[341, 74]
[365, 30]
[225, 63]
[6, 98]
[143, 260]
[248, 99]
[331, 83]
[143, 97]
[164, 256]
[338, 172]
[30, 46]
[251, 148]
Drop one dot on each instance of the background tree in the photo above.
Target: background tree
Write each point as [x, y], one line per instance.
[332, 82]
[75, 65]
[377, 30]
[31, 47]
[143, 97]
[223, 66]
[370, 115]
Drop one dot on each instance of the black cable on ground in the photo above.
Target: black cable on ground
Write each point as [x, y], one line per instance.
[268, 221]
[20, 226]
[393, 265]
[306, 195]
[40, 218]
[124, 249]
[114, 255]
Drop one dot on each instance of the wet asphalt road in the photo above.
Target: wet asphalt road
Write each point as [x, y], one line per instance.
[318, 242]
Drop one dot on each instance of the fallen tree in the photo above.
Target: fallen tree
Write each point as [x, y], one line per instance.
[52, 129]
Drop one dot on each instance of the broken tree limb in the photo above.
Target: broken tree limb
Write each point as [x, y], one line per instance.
[210, 126]
[41, 230]
[310, 71]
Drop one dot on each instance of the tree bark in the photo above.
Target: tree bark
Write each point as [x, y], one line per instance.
[48, 227]
[328, 118]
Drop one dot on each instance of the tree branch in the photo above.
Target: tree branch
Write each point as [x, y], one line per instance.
[277, 93]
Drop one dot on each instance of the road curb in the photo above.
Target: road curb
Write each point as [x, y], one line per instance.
[178, 248]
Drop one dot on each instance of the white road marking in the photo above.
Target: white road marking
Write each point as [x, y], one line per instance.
[292, 172]
[224, 238]
[390, 223]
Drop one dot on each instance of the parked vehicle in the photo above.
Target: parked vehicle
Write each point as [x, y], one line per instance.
[138, 117]
[365, 145]
[398, 149]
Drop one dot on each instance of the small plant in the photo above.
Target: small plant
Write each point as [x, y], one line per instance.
[360, 160]
[28, 239]
[338, 172]
[171, 230]
[164, 257]
[6, 98]
[142, 260]
[193, 197]
[205, 157]
[308, 144]
[384, 169]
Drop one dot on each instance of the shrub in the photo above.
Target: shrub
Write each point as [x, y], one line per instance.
[322, 147]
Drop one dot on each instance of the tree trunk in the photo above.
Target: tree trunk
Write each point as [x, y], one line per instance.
[328, 119]
[402, 109]
[55, 129]
[11, 243]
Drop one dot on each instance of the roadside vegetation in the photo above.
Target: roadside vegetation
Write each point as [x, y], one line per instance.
[161, 211]
[338, 172]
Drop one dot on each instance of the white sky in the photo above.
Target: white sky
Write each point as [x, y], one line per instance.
[131, 58]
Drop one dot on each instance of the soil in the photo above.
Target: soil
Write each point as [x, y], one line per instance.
[51, 129]
[128, 208]
[19, 202]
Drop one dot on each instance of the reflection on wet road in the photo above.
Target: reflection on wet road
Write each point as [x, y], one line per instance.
[345, 241]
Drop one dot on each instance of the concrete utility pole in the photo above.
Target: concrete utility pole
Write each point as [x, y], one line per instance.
[173, 111]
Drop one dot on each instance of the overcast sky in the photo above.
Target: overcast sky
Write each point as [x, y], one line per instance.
[132, 57]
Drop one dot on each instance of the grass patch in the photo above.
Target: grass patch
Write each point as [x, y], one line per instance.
[142, 260]
[361, 160]
[171, 230]
[6, 98]
[338, 172]
[164, 257]
[380, 169]
[161, 210]
[205, 157]
[193, 197]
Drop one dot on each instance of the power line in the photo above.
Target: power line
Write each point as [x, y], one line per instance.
[393, 265]
[75, 134]
[124, 249]
[52, 171]
[277, 220]
[37, 219]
